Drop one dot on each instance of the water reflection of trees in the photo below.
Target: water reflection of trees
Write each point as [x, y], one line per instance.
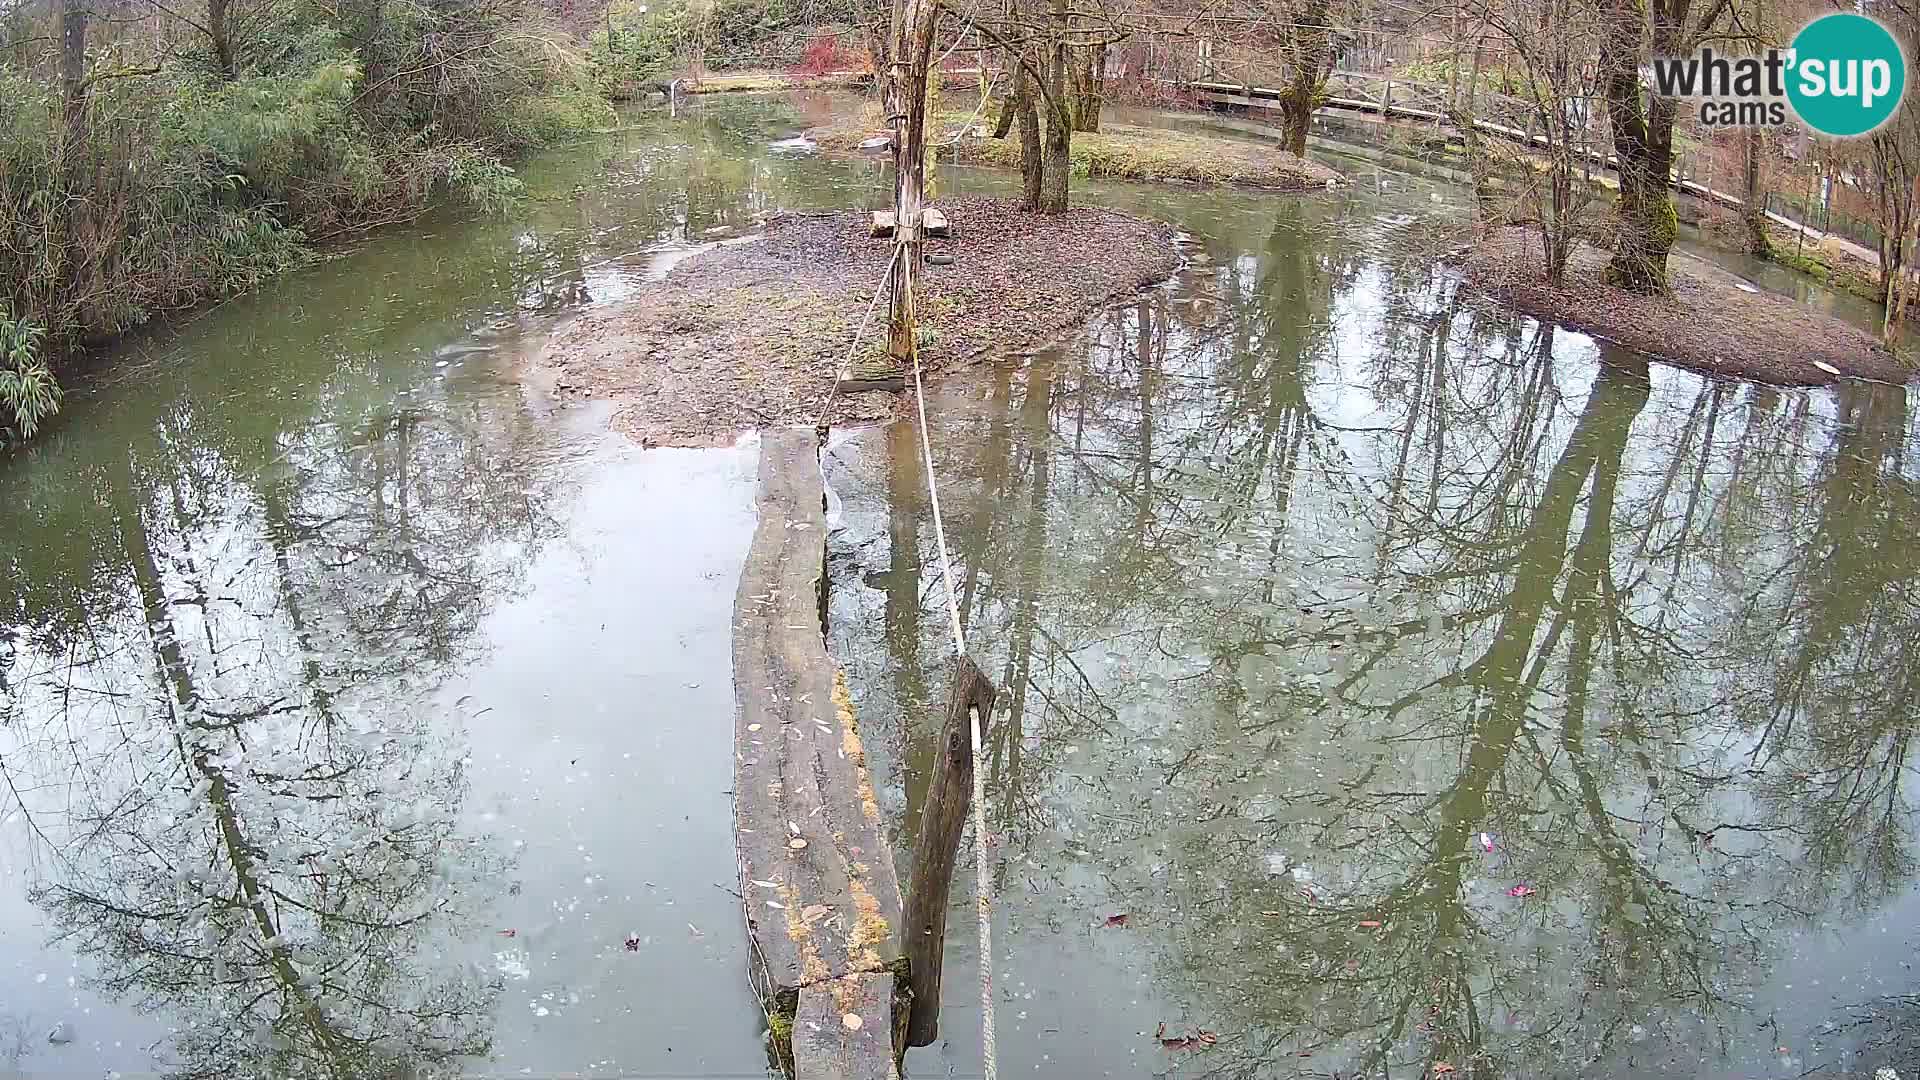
[1307, 581]
[222, 728]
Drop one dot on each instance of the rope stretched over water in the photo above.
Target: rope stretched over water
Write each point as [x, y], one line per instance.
[983, 876]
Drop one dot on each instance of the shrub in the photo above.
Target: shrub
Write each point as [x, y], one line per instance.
[638, 47]
[186, 183]
[826, 54]
[28, 392]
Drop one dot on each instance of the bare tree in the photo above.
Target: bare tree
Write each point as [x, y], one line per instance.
[1540, 45]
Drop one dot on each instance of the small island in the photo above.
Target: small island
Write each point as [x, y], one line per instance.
[756, 333]
[1707, 319]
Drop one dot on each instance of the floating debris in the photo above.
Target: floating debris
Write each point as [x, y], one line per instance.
[1201, 1037]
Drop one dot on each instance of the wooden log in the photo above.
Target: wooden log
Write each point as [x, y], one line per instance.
[816, 871]
[842, 1029]
[942, 819]
[932, 223]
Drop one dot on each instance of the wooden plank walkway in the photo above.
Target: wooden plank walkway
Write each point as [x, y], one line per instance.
[816, 871]
[1421, 102]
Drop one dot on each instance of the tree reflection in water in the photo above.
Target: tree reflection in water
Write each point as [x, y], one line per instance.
[249, 805]
[1331, 611]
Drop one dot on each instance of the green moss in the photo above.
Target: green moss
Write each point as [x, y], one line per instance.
[1832, 272]
[1666, 222]
[1806, 264]
[780, 1013]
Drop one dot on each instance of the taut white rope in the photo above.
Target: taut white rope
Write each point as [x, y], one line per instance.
[982, 871]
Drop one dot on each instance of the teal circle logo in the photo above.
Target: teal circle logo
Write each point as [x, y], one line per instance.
[1847, 75]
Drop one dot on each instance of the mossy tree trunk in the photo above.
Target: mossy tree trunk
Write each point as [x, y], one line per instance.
[1895, 174]
[1312, 41]
[1643, 145]
[1010, 105]
[1022, 108]
[1056, 168]
[1037, 39]
[1032, 156]
[1056, 165]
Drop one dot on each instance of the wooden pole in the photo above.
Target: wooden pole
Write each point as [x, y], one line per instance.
[942, 820]
[912, 52]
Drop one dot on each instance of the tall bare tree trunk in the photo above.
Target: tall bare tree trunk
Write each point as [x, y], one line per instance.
[1643, 144]
[907, 113]
[220, 34]
[1089, 87]
[74, 17]
[1753, 209]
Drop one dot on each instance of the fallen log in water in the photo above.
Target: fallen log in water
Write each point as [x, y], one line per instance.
[816, 871]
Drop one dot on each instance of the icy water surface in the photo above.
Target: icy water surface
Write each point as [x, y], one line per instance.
[1387, 683]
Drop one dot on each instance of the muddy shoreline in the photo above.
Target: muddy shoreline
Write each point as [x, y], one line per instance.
[1709, 322]
[754, 334]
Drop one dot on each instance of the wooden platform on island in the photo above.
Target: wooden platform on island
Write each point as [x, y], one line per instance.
[816, 872]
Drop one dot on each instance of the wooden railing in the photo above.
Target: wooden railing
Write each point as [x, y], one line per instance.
[1380, 94]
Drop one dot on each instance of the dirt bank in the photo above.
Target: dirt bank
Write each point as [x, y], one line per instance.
[754, 333]
[1709, 323]
[1115, 152]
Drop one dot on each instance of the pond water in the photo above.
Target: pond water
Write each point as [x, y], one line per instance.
[1390, 686]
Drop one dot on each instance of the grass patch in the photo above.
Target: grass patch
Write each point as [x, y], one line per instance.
[760, 82]
[1832, 269]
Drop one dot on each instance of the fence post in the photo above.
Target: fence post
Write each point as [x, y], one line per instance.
[942, 819]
